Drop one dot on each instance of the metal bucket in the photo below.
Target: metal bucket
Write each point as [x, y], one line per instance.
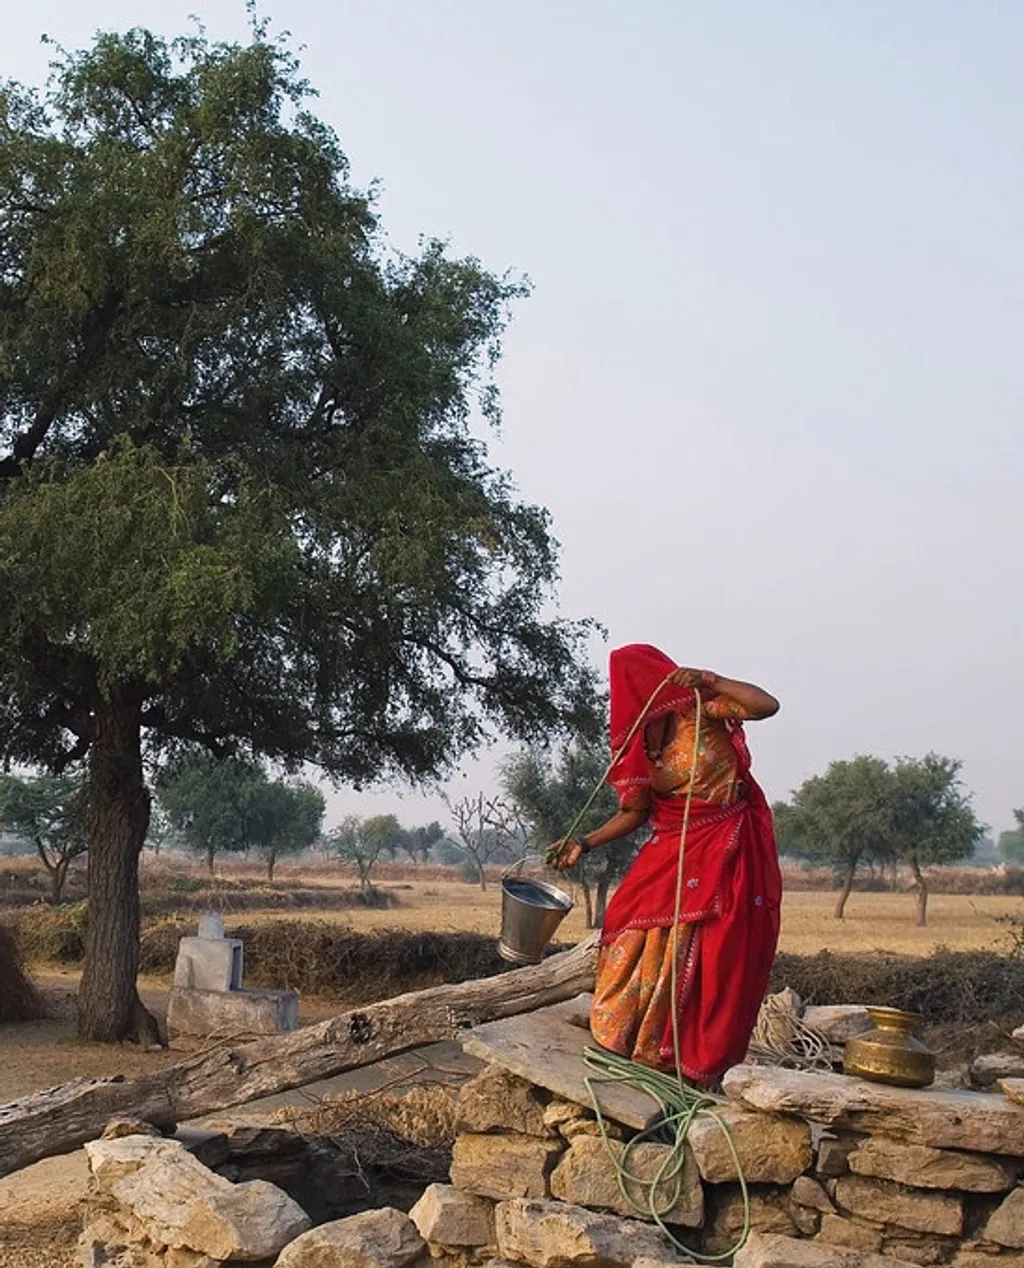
[531, 912]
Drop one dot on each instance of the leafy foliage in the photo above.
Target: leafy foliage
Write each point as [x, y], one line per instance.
[862, 810]
[207, 799]
[243, 498]
[362, 841]
[47, 810]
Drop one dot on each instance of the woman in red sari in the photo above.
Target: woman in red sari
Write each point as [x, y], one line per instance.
[729, 916]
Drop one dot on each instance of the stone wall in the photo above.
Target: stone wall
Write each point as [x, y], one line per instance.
[841, 1173]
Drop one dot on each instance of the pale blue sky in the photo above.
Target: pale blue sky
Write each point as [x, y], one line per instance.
[770, 380]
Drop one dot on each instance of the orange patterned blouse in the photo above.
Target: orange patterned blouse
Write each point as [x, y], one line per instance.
[669, 745]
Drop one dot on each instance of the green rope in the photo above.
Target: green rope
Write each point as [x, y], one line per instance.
[681, 1105]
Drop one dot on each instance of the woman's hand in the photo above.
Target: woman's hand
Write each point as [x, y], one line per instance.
[563, 855]
[694, 678]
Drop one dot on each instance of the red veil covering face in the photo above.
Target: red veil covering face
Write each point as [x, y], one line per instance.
[731, 882]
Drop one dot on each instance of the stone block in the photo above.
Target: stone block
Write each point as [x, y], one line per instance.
[945, 1119]
[919, 1248]
[833, 1153]
[772, 1149]
[383, 1238]
[770, 1212]
[209, 964]
[498, 1101]
[558, 1234]
[888, 1203]
[970, 1258]
[1006, 1224]
[256, 1012]
[807, 1221]
[587, 1176]
[837, 1022]
[168, 1196]
[928, 1168]
[503, 1167]
[836, 1230]
[988, 1069]
[808, 1192]
[118, 1128]
[1013, 1089]
[773, 1251]
[447, 1217]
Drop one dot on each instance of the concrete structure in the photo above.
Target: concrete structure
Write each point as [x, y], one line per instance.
[208, 996]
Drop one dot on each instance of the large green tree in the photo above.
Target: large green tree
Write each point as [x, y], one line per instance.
[244, 501]
[283, 818]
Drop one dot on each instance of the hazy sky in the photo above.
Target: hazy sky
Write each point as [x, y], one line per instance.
[770, 379]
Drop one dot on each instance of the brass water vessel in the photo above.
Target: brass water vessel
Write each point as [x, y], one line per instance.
[890, 1053]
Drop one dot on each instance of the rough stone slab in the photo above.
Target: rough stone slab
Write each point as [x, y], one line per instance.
[1013, 1089]
[770, 1212]
[833, 1155]
[772, 1149]
[837, 1230]
[945, 1119]
[558, 1235]
[231, 1013]
[987, 1070]
[384, 1238]
[586, 1176]
[837, 1022]
[919, 1249]
[968, 1258]
[501, 1167]
[888, 1203]
[447, 1217]
[208, 1145]
[1006, 1224]
[546, 1050]
[808, 1192]
[770, 1250]
[158, 1187]
[927, 1168]
[497, 1100]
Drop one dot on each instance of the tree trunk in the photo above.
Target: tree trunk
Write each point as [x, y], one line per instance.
[845, 892]
[588, 902]
[118, 815]
[271, 860]
[57, 878]
[604, 884]
[922, 891]
[210, 851]
[62, 1118]
[481, 874]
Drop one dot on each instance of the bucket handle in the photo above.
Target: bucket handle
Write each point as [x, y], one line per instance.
[519, 863]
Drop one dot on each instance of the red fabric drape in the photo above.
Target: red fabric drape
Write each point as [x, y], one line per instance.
[731, 893]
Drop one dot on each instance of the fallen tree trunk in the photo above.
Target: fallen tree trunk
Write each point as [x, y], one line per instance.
[64, 1117]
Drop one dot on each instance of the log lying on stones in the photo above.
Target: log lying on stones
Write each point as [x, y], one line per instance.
[62, 1118]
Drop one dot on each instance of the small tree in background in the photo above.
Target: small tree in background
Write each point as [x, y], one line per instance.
[362, 841]
[1011, 843]
[418, 842]
[843, 817]
[283, 819]
[932, 819]
[206, 799]
[549, 792]
[48, 811]
[487, 828]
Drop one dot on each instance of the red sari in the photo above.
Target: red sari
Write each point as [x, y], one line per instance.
[729, 916]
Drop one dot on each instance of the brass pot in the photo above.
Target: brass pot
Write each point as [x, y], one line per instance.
[890, 1053]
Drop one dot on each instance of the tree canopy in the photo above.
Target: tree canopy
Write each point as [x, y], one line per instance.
[914, 811]
[48, 811]
[244, 499]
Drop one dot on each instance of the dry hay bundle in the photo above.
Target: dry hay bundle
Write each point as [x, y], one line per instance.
[19, 999]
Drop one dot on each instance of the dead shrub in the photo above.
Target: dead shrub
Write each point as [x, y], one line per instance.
[965, 988]
[51, 935]
[19, 999]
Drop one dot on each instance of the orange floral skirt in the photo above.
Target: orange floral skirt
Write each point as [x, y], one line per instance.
[631, 1013]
